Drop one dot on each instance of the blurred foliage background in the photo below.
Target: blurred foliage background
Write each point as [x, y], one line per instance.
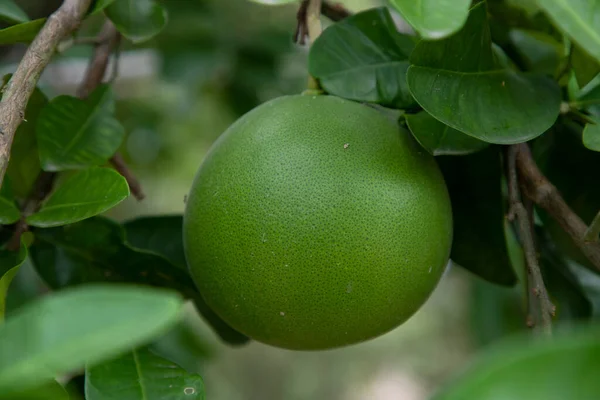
[176, 94]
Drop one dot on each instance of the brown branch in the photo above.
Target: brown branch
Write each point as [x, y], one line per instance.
[335, 12]
[134, 185]
[18, 91]
[543, 193]
[540, 308]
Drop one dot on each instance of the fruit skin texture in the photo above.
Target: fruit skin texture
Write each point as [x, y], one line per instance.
[316, 222]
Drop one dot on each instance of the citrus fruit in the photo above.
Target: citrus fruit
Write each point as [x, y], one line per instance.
[316, 222]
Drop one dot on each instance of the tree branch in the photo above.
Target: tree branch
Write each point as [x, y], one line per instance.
[18, 91]
[543, 193]
[335, 12]
[540, 308]
[134, 185]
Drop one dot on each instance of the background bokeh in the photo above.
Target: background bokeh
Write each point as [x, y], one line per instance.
[216, 60]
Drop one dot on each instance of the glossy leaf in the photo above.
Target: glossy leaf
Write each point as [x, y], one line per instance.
[539, 51]
[434, 19]
[9, 213]
[364, 58]
[10, 262]
[137, 20]
[24, 164]
[160, 235]
[141, 375]
[94, 251]
[591, 137]
[10, 12]
[439, 139]
[456, 81]
[84, 194]
[73, 133]
[99, 5]
[585, 66]
[48, 391]
[479, 245]
[579, 19]
[21, 33]
[77, 327]
[560, 367]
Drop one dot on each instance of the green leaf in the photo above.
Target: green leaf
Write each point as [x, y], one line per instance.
[561, 367]
[584, 66]
[591, 137]
[64, 331]
[99, 5]
[93, 250]
[160, 235]
[73, 133]
[137, 20]
[456, 81]
[141, 375]
[12, 13]
[479, 245]
[539, 51]
[10, 262]
[439, 139]
[9, 213]
[24, 165]
[274, 2]
[434, 19]
[48, 391]
[21, 33]
[84, 194]
[364, 58]
[579, 19]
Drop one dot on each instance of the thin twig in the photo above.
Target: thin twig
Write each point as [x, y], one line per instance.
[593, 231]
[335, 12]
[134, 185]
[543, 193]
[18, 91]
[540, 309]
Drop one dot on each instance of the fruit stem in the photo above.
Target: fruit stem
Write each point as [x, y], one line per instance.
[313, 23]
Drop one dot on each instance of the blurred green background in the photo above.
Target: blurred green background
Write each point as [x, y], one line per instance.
[177, 93]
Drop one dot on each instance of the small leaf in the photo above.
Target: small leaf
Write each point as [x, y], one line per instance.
[546, 368]
[457, 82]
[22, 33]
[79, 326]
[12, 13]
[364, 58]
[48, 391]
[479, 245]
[84, 194]
[9, 213]
[141, 375]
[137, 20]
[434, 19]
[159, 235]
[439, 139]
[24, 164]
[579, 19]
[10, 262]
[584, 66]
[73, 133]
[99, 5]
[591, 137]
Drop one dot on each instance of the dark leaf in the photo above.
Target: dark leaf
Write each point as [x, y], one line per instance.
[84, 194]
[585, 66]
[591, 137]
[579, 19]
[364, 58]
[99, 5]
[141, 375]
[12, 13]
[10, 262]
[456, 80]
[439, 139]
[64, 331]
[434, 19]
[22, 33]
[137, 20]
[73, 133]
[9, 213]
[539, 51]
[479, 244]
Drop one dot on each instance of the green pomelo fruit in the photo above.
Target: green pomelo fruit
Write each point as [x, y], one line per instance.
[316, 222]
